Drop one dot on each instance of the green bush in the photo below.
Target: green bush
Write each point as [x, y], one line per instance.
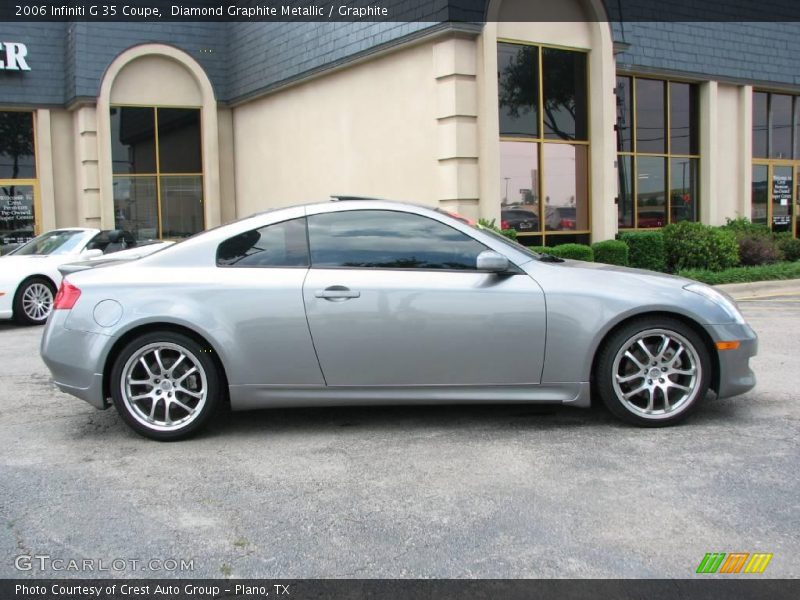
[743, 226]
[540, 249]
[509, 233]
[697, 246]
[645, 249]
[790, 247]
[573, 251]
[783, 270]
[611, 252]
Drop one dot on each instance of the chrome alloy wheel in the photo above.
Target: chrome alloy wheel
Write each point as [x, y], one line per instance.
[37, 301]
[656, 373]
[164, 386]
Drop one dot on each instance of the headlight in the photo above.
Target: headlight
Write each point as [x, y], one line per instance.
[718, 298]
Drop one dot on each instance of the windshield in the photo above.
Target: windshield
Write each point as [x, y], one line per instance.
[52, 242]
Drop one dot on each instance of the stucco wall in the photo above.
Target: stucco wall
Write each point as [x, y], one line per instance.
[366, 130]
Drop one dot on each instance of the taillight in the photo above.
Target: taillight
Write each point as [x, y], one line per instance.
[67, 296]
[504, 224]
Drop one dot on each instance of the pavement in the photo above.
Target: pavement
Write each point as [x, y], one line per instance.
[759, 289]
[479, 491]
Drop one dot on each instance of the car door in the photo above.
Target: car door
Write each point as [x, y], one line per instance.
[393, 299]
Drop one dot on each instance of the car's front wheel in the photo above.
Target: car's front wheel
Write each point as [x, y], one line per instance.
[33, 301]
[165, 385]
[653, 372]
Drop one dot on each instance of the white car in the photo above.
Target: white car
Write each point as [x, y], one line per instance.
[29, 275]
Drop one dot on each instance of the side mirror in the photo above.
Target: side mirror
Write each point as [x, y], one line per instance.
[94, 253]
[492, 261]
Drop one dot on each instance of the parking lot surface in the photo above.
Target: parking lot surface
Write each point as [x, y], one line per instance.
[486, 491]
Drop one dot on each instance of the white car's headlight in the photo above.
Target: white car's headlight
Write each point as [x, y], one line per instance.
[718, 298]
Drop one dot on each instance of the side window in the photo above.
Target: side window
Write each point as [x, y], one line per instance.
[384, 239]
[277, 245]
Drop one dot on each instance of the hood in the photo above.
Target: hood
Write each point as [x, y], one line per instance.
[642, 275]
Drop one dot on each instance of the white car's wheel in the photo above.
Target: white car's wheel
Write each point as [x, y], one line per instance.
[165, 385]
[653, 372]
[33, 301]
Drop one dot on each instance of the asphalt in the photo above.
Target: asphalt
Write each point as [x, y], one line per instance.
[486, 491]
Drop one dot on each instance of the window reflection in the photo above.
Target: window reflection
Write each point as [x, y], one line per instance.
[651, 196]
[564, 91]
[518, 87]
[519, 186]
[624, 115]
[388, 240]
[566, 205]
[133, 140]
[181, 205]
[759, 194]
[625, 202]
[136, 206]
[760, 125]
[17, 160]
[650, 116]
[781, 108]
[683, 189]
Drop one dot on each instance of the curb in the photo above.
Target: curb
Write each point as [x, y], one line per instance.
[758, 289]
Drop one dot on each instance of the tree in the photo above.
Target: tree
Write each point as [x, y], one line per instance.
[16, 138]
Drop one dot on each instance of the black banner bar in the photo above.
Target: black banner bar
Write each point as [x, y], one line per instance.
[454, 11]
[704, 587]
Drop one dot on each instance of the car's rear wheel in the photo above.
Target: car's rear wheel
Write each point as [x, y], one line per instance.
[653, 372]
[33, 301]
[165, 385]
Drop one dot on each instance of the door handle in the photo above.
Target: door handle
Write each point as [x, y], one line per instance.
[337, 292]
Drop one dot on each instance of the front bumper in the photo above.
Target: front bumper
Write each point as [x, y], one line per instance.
[75, 359]
[735, 375]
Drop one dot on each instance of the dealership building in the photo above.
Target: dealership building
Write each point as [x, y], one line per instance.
[572, 127]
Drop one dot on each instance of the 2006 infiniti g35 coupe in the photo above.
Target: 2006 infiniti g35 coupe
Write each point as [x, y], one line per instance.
[368, 301]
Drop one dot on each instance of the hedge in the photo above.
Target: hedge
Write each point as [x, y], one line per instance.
[697, 246]
[783, 270]
[573, 251]
[790, 247]
[645, 250]
[611, 252]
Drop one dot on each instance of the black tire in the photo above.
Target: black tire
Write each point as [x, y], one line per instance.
[662, 380]
[170, 343]
[41, 284]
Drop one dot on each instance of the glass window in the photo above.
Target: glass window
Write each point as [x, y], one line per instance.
[651, 197]
[17, 160]
[564, 88]
[566, 187]
[518, 87]
[781, 127]
[133, 140]
[558, 97]
[782, 184]
[181, 205]
[759, 194]
[683, 131]
[624, 115]
[650, 116]
[136, 206]
[519, 186]
[388, 240]
[278, 245]
[683, 189]
[60, 241]
[179, 140]
[157, 166]
[625, 202]
[16, 214]
[760, 124]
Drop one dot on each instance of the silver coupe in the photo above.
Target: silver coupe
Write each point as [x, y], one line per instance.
[360, 301]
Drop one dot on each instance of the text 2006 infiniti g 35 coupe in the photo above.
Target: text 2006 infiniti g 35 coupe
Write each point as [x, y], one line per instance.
[376, 302]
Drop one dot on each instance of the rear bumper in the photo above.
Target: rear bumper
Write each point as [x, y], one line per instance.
[75, 359]
[735, 375]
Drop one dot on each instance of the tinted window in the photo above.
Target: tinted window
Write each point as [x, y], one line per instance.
[16, 145]
[650, 120]
[518, 87]
[278, 245]
[388, 240]
[565, 105]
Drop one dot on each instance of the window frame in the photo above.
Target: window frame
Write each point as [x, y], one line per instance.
[668, 156]
[34, 181]
[771, 163]
[540, 140]
[158, 174]
[400, 269]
